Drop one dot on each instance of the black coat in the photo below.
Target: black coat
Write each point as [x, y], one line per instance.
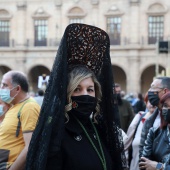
[157, 147]
[147, 125]
[76, 152]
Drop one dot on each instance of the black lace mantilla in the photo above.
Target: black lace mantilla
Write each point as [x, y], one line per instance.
[90, 46]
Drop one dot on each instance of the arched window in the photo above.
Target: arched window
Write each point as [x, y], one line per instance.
[40, 27]
[113, 27]
[76, 15]
[4, 28]
[156, 14]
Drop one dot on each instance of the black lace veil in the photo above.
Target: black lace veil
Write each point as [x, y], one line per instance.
[85, 45]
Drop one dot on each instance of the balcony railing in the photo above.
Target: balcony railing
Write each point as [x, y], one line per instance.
[45, 43]
[123, 41]
[114, 39]
[42, 43]
[4, 43]
[153, 40]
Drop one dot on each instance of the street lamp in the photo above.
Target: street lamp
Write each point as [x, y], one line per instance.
[164, 47]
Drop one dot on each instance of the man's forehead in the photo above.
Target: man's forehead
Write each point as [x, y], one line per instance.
[156, 83]
[6, 79]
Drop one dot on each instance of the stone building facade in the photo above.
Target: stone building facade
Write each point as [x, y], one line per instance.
[30, 31]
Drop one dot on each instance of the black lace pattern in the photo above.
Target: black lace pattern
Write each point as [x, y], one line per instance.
[87, 46]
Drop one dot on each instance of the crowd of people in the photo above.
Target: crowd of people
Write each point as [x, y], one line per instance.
[83, 120]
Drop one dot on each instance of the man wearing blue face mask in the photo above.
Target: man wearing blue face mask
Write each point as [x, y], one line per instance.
[19, 121]
[159, 87]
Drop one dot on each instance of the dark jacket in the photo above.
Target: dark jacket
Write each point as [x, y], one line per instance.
[147, 125]
[126, 114]
[76, 152]
[157, 147]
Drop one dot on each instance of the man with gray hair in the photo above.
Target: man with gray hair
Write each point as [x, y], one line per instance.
[19, 122]
[159, 87]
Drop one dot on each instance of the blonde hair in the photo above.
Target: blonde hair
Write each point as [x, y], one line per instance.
[78, 74]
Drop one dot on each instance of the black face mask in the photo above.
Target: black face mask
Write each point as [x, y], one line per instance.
[119, 99]
[166, 115]
[153, 98]
[83, 106]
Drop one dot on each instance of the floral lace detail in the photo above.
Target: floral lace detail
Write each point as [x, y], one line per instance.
[87, 45]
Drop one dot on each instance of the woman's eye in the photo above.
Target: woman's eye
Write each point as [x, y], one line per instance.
[77, 89]
[90, 90]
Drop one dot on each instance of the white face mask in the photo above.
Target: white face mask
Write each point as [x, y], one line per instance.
[1, 110]
[5, 95]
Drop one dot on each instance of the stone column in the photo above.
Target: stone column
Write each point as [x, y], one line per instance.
[95, 15]
[134, 21]
[95, 12]
[133, 75]
[59, 29]
[21, 24]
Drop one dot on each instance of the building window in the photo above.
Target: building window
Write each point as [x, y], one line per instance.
[41, 31]
[76, 15]
[113, 29]
[4, 33]
[76, 20]
[156, 29]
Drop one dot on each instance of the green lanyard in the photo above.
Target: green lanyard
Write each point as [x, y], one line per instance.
[19, 114]
[101, 156]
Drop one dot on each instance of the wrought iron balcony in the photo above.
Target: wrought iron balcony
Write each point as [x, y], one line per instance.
[118, 42]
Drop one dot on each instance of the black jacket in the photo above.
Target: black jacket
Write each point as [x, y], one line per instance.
[147, 125]
[76, 152]
[126, 114]
[157, 146]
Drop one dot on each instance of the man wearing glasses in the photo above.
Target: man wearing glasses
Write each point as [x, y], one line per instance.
[159, 87]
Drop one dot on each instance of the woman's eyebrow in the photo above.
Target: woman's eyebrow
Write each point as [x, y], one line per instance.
[91, 85]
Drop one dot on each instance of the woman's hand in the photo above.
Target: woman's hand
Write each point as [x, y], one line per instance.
[147, 164]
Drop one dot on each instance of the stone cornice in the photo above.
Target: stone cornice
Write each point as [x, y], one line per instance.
[22, 5]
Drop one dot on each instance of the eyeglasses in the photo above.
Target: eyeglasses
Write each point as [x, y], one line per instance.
[155, 88]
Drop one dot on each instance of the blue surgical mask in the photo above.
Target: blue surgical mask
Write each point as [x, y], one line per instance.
[5, 95]
[1, 110]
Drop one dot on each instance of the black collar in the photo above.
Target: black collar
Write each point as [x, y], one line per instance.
[73, 126]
